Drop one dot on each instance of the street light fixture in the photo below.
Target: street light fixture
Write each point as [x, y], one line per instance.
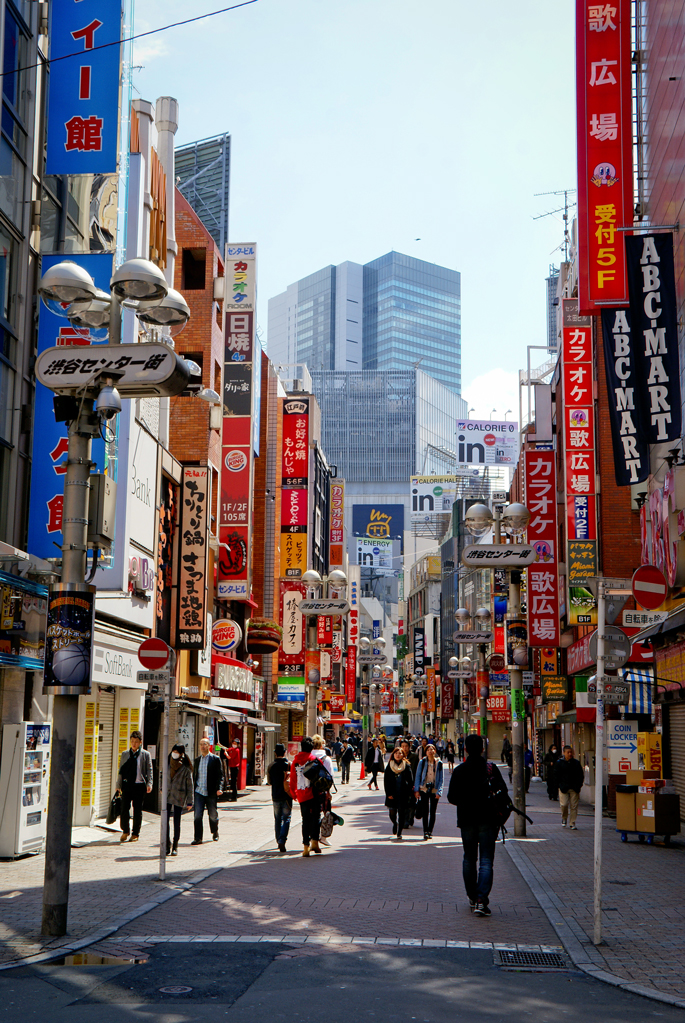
[515, 519]
[139, 280]
[172, 311]
[478, 519]
[64, 283]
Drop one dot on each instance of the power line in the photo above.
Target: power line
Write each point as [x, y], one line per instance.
[129, 39]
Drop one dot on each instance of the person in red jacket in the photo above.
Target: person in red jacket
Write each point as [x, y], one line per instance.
[233, 756]
[310, 807]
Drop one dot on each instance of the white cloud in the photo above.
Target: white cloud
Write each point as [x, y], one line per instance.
[497, 389]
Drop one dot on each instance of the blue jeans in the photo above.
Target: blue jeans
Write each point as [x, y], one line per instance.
[479, 855]
[203, 803]
[283, 809]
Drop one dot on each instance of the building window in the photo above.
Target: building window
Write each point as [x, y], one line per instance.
[193, 269]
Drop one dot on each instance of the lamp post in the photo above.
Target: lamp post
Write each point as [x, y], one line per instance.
[483, 617]
[68, 290]
[365, 646]
[337, 582]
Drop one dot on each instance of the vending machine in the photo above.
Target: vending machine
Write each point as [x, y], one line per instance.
[24, 779]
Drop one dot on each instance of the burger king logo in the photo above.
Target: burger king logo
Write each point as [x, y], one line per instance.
[235, 460]
[226, 635]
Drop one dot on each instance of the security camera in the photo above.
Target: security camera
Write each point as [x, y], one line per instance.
[108, 402]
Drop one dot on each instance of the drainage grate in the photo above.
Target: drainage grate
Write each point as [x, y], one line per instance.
[531, 960]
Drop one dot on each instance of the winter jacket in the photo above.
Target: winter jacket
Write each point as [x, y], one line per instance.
[469, 791]
[421, 776]
[390, 785]
[569, 775]
[300, 787]
[181, 790]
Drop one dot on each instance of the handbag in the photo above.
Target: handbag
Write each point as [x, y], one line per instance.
[114, 811]
[328, 822]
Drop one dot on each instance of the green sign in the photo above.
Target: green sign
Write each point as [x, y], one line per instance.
[518, 705]
[554, 688]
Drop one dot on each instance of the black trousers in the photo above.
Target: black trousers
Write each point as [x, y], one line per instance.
[175, 812]
[132, 795]
[311, 820]
[429, 803]
[234, 782]
[345, 769]
[375, 771]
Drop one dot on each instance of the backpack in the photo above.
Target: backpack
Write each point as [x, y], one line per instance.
[318, 777]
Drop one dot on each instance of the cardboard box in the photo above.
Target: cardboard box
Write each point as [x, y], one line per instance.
[625, 811]
[657, 814]
[635, 777]
[649, 756]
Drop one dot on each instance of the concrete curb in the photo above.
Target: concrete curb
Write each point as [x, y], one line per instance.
[106, 932]
[587, 959]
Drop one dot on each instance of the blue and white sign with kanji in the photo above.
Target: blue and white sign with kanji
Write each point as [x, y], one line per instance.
[83, 99]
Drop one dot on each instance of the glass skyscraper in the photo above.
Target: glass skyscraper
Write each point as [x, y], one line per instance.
[391, 314]
[412, 317]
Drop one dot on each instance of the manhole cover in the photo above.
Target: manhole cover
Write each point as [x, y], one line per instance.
[531, 960]
[175, 989]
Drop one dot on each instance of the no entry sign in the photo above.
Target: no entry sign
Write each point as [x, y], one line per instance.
[649, 586]
[153, 653]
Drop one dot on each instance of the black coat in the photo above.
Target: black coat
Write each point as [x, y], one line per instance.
[215, 774]
[406, 793]
[469, 791]
[569, 775]
[370, 757]
[347, 755]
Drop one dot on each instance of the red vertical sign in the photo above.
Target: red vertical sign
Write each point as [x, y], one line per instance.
[351, 675]
[605, 162]
[579, 423]
[543, 583]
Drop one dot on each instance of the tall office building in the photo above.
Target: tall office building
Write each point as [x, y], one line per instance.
[203, 174]
[552, 283]
[393, 313]
[412, 317]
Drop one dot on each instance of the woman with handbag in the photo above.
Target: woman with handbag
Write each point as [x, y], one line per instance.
[398, 782]
[428, 787]
[181, 794]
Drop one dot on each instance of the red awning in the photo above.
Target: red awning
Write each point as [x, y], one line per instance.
[338, 721]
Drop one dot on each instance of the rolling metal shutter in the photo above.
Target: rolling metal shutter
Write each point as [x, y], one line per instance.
[676, 722]
[105, 782]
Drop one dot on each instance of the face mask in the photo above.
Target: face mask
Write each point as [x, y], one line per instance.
[175, 755]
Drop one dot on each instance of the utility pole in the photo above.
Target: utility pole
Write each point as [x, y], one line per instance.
[599, 761]
[517, 714]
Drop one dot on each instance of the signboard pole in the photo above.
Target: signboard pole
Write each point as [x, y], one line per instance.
[517, 716]
[599, 763]
[164, 769]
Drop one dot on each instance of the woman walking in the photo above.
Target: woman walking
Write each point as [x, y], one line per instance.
[310, 807]
[551, 757]
[450, 754]
[181, 794]
[398, 783]
[428, 786]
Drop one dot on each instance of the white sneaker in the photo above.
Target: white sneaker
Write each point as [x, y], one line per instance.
[324, 841]
[563, 824]
[573, 827]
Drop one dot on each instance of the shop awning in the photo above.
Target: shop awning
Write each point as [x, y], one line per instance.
[264, 726]
[339, 721]
[211, 709]
[567, 718]
[641, 685]
[674, 621]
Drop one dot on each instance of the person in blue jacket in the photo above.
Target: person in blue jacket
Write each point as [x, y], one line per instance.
[428, 788]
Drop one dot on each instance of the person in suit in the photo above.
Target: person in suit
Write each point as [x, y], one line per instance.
[134, 781]
[208, 775]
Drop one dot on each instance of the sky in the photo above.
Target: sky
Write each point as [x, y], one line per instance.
[361, 126]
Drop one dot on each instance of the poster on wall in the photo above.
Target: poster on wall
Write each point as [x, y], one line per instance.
[69, 637]
[295, 487]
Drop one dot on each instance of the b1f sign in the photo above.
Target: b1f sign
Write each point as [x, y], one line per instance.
[83, 101]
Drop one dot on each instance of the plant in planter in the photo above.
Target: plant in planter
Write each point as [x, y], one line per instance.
[263, 636]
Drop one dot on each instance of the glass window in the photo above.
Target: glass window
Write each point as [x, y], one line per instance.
[49, 224]
[11, 183]
[7, 275]
[14, 133]
[13, 85]
[6, 402]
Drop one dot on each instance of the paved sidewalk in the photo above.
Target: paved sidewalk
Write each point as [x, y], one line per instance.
[643, 897]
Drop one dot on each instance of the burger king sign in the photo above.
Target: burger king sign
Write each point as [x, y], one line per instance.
[226, 636]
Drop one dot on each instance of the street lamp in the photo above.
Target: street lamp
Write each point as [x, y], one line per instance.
[69, 291]
[314, 582]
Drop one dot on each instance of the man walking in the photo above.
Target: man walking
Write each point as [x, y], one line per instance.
[373, 762]
[208, 776]
[233, 768]
[134, 781]
[337, 752]
[278, 777]
[346, 758]
[472, 785]
[570, 778]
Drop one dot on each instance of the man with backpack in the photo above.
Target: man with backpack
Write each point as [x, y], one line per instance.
[309, 782]
[480, 795]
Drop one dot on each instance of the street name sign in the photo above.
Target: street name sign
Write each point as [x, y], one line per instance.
[372, 659]
[472, 637]
[144, 370]
[324, 607]
[499, 555]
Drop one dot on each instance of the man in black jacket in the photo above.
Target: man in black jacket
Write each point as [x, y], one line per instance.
[133, 782]
[208, 776]
[570, 777]
[471, 787]
[346, 758]
[373, 762]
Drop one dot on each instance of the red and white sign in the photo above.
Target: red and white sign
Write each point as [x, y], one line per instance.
[351, 675]
[605, 164]
[336, 555]
[497, 662]
[337, 703]
[447, 701]
[579, 426]
[543, 581]
[497, 705]
[153, 654]
[324, 630]
[650, 588]
[226, 636]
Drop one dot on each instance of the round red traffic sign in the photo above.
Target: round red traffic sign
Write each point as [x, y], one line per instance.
[153, 654]
[650, 588]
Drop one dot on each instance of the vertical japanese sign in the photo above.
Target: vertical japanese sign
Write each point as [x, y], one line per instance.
[430, 695]
[629, 440]
[447, 701]
[579, 448]
[83, 99]
[543, 582]
[351, 675]
[605, 164]
[50, 441]
[295, 487]
[654, 319]
[419, 650]
[237, 452]
[191, 620]
[336, 546]
[291, 653]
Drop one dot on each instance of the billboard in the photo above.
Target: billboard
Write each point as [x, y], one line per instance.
[482, 442]
[336, 548]
[435, 495]
[295, 487]
[543, 580]
[191, 612]
[376, 554]
[379, 521]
